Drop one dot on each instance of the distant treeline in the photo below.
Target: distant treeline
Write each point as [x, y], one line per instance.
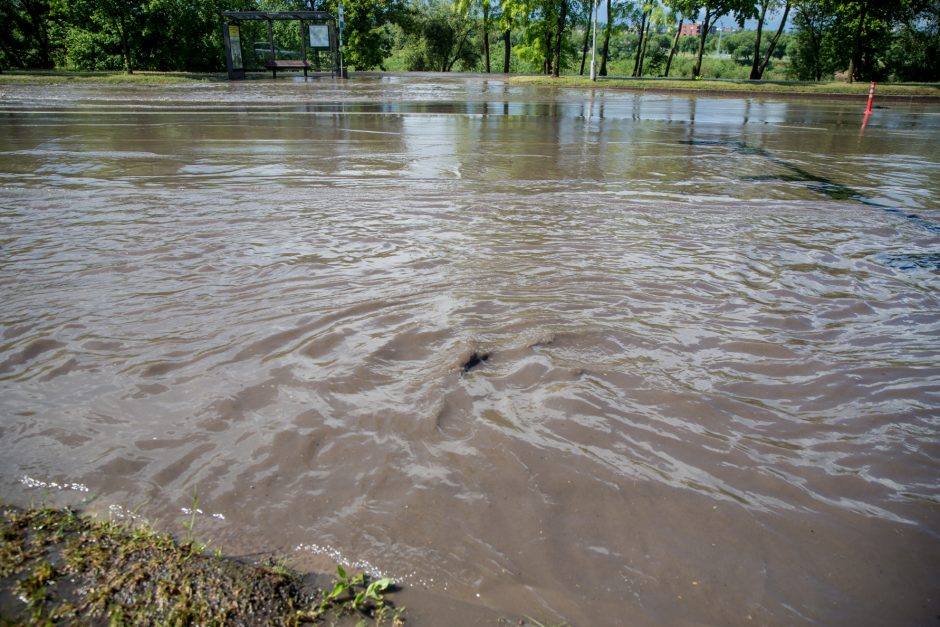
[860, 40]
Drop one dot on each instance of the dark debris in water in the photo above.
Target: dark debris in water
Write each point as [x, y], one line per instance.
[474, 360]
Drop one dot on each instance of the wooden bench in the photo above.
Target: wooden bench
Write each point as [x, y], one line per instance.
[287, 64]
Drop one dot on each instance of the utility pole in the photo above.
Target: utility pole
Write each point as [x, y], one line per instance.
[594, 44]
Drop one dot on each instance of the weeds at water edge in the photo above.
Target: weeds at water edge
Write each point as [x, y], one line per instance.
[62, 566]
[357, 595]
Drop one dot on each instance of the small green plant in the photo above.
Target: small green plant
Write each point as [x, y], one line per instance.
[278, 567]
[34, 590]
[359, 595]
[190, 524]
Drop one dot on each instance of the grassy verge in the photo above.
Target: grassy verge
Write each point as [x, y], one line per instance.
[50, 77]
[56, 565]
[735, 86]
[721, 86]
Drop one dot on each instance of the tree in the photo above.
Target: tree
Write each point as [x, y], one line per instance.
[870, 24]
[835, 35]
[26, 37]
[714, 9]
[512, 14]
[814, 22]
[542, 24]
[468, 9]
[562, 14]
[677, 7]
[914, 54]
[758, 67]
[589, 14]
[366, 39]
[606, 47]
[109, 29]
[652, 13]
[644, 19]
[439, 37]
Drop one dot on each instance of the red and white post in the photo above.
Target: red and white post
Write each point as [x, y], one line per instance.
[871, 96]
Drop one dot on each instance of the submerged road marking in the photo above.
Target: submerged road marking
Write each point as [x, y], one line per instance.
[819, 184]
[802, 128]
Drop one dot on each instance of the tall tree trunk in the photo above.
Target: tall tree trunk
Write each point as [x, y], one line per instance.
[697, 68]
[607, 27]
[817, 46]
[486, 35]
[587, 35]
[548, 36]
[675, 45]
[35, 12]
[639, 44]
[5, 48]
[857, 47]
[760, 29]
[125, 44]
[556, 68]
[508, 48]
[547, 65]
[646, 40]
[773, 42]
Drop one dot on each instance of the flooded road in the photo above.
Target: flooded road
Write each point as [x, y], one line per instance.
[712, 390]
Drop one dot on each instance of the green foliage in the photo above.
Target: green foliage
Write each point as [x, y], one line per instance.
[877, 39]
[438, 39]
[31, 32]
[914, 54]
[810, 50]
[712, 67]
[367, 39]
[896, 39]
[190, 524]
[537, 23]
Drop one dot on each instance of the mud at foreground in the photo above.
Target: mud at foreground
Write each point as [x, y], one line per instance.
[588, 357]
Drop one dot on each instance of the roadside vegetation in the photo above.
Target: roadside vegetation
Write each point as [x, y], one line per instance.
[59, 566]
[53, 77]
[806, 40]
[770, 88]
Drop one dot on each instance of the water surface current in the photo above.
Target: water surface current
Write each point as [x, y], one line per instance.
[713, 325]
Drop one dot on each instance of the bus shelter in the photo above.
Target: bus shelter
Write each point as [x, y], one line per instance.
[317, 30]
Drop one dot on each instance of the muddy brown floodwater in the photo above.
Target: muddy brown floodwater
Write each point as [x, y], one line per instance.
[712, 390]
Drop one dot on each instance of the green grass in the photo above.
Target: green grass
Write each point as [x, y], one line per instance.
[734, 85]
[731, 85]
[46, 77]
[59, 566]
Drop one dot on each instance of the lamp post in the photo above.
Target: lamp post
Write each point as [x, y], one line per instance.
[594, 44]
[342, 73]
